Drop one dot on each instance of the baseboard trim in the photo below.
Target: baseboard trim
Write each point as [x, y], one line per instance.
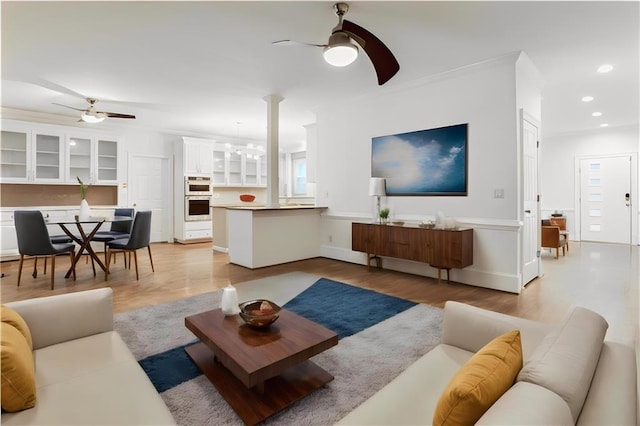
[510, 283]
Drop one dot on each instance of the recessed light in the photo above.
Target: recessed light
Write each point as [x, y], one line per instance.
[604, 125]
[587, 98]
[596, 114]
[605, 68]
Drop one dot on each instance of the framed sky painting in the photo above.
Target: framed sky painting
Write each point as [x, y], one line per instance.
[424, 162]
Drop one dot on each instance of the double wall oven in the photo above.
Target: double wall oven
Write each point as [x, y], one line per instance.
[198, 192]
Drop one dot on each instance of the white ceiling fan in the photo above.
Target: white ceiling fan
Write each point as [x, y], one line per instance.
[91, 115]
[341, 51]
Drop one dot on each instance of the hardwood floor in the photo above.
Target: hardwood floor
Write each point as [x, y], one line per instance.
[601, 277]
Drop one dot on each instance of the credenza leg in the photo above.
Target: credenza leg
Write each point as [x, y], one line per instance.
[378, 261]
[440, 274]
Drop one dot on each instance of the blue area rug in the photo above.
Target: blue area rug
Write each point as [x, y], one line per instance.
[342, 308]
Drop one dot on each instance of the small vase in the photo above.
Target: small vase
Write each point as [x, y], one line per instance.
[85, 211]
[229, 303]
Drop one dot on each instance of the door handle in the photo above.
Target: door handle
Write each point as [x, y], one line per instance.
[627, 197]
[528, 211]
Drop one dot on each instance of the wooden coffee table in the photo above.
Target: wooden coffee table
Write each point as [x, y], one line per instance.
[260, 372]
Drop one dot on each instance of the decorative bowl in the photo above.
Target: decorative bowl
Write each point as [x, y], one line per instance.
[427, 225]
[253, 312]
[247, 197]
[398, 222]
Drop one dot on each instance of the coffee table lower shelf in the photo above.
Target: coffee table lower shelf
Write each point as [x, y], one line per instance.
[252, 405]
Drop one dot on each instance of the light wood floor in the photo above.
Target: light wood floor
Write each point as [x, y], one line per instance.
[601, 277]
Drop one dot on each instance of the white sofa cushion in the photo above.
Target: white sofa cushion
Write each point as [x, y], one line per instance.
[565, 360]
[93, 380]
[527, 404]
[470, 328]
[63, 317]
[411, 398]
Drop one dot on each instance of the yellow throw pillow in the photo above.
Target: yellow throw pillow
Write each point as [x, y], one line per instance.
[18, 384]
[480, 382]
[12, 317]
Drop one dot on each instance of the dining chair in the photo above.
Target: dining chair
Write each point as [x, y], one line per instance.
[140, 237]
[55, 239]
[34, 240]
[119, 229]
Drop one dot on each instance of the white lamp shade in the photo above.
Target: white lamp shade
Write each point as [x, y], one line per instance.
[340, 55]
[89, 117]
[377, 186]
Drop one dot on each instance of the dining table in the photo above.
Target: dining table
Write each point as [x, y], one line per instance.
[87, 229]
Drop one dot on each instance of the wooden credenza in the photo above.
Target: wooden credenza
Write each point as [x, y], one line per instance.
[440, 248]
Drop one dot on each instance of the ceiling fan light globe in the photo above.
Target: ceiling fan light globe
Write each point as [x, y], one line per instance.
[340, 55]
[91, 118]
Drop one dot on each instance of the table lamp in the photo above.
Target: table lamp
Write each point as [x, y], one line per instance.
[377, 189]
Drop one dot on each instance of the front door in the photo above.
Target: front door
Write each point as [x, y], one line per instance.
[530, 235]
[150, 188]
[605, 207]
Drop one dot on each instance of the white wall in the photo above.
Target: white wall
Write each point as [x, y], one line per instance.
[557, 178]
[484, 96]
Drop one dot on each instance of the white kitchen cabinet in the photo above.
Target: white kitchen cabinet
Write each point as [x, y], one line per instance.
[93, 159]
[39, 153]
[250, 171]
[263, 170]
[235, 167]
[8, 238]
[31, 155]
[107, 160]
[235, 175]
[198, 157]
[197, 231]
[219, 168]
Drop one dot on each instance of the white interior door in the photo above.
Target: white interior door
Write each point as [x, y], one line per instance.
[605, 208]
[530, 239]
[150, 188]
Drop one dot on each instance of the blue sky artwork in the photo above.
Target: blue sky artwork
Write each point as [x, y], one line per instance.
[424, 162]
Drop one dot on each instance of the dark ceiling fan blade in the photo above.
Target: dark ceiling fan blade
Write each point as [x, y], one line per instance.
[383, 61]
[116, 115]
[67, 106]
[296, 43]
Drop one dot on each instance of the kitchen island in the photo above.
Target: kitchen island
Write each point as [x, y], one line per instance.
[265, 236]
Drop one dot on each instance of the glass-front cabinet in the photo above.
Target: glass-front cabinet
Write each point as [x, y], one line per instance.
[39, 153]
[107, 160]
[251, 171]
[219, 168]
[14, 156]
[49, 155]
[93, 159]
[236, 166]
[79, 160]
[28, 155]
[263, 170]
[235, 169]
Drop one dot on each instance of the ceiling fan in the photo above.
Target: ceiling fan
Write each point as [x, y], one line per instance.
[90, 115]
[340, 51]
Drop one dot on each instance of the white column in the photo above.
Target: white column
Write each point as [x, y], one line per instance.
[273, 120]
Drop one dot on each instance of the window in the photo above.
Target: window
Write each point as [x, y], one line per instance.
[299, 173]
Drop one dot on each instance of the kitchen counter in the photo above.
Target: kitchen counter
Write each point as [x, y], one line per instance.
[285, 207]
[262, 236]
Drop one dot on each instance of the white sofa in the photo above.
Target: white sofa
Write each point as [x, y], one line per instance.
[563, 391]
[85, 374]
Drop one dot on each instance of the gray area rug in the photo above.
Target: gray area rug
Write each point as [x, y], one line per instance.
[361, 364]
